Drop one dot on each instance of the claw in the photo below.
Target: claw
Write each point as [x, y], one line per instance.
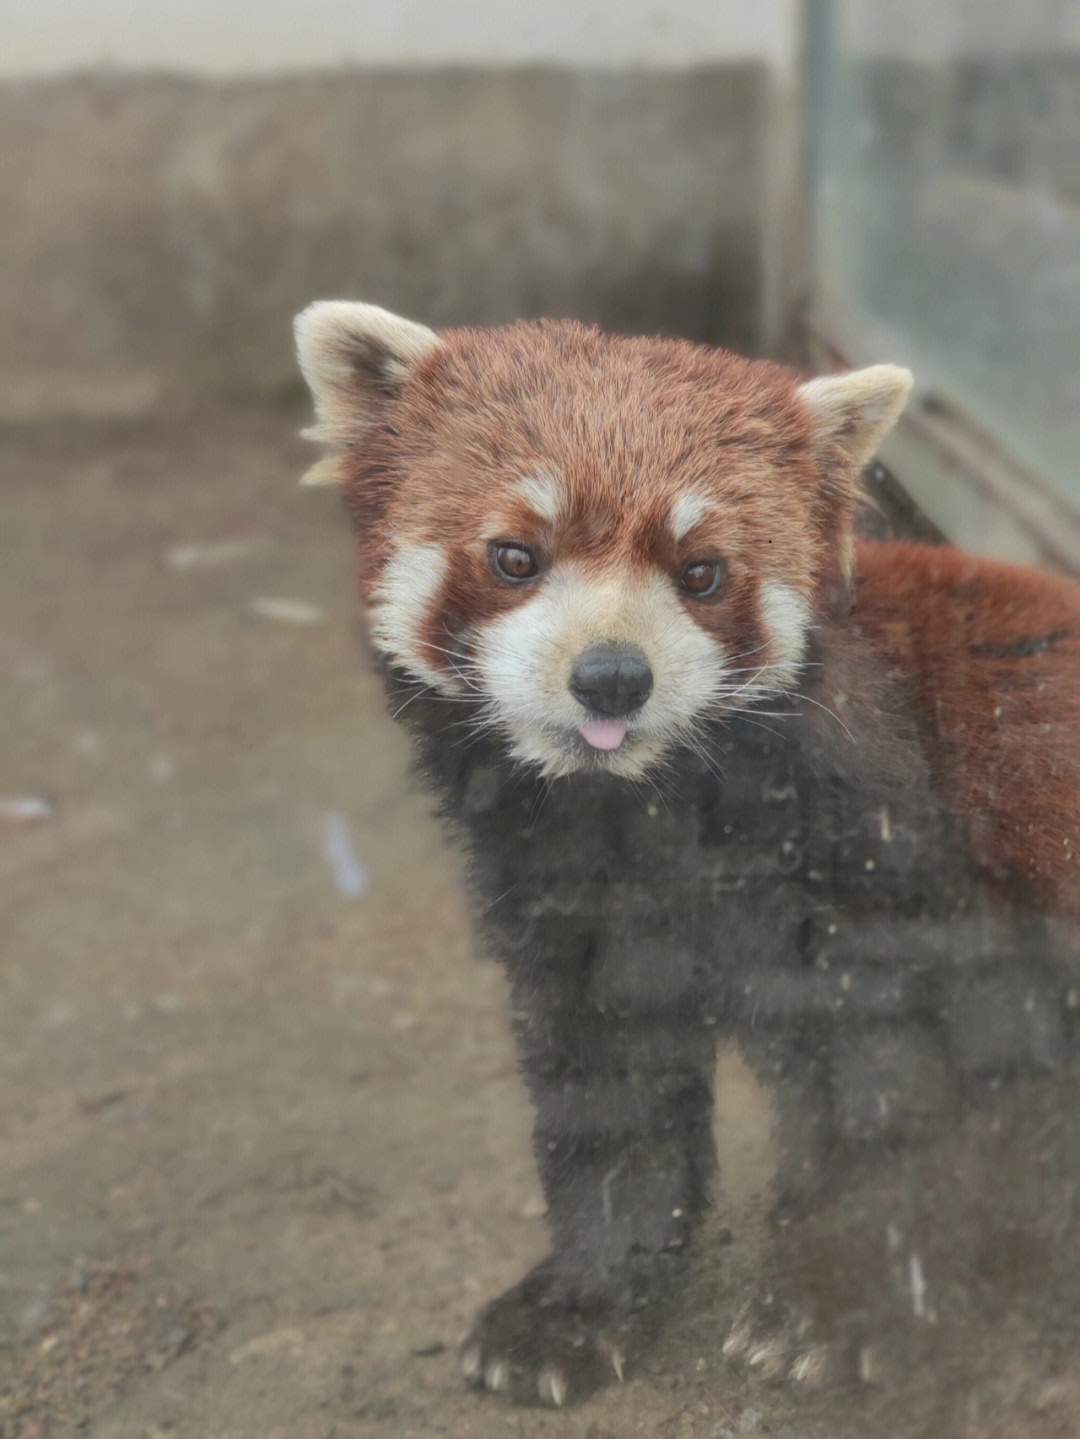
[471, 1365]
[496, 1376]
[552, 1387]
[614, 1355]
[768, 1357]
[869, 1365]
[738, 1336]
[810, 1368]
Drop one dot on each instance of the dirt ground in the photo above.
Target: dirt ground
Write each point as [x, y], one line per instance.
[263, 1148]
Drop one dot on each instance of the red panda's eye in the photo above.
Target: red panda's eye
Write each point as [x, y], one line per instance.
[513, 562]
[703, 578]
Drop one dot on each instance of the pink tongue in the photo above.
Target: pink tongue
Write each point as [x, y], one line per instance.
[603, 734]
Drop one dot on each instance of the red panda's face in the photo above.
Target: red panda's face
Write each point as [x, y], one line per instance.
[590, 634]
[602, 543]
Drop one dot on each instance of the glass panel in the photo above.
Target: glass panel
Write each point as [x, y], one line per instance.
[950, 206]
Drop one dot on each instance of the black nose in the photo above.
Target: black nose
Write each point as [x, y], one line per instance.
[611, 679]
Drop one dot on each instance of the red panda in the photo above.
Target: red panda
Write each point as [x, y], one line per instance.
[720, 767]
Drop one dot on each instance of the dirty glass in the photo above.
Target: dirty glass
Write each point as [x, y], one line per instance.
[662, 1011]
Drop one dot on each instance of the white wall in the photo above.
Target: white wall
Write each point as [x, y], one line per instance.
[263, 36]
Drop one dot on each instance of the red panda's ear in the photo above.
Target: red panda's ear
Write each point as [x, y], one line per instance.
[353, 357]
[853, 413]
[850, 415]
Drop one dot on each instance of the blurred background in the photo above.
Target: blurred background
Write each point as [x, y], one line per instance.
[251, 1077]
[835, 179]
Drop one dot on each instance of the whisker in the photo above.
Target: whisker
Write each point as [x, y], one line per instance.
[806, 699]
[541, 798]
[700, 752]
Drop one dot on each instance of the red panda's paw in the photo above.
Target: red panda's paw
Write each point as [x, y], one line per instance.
[536, 1347]
[781, 1345]
[842, 1300]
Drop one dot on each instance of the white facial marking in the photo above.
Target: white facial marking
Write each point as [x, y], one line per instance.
[544, 493]
[786, 616]
[524, 660]
[687, 511]
[412, 579]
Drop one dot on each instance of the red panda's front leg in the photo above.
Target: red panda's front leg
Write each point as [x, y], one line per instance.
[623, 1142]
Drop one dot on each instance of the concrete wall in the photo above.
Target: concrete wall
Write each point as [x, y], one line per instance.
[161, 231]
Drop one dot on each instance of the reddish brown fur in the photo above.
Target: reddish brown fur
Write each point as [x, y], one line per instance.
[629, 424]
[1002, 730]
[632, 424]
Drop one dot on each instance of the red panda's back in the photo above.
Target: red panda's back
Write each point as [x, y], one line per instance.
[994, 652]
